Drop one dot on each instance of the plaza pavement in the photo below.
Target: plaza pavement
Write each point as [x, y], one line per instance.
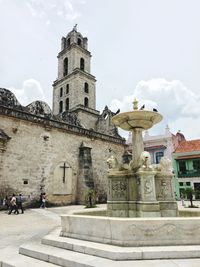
[35, 223]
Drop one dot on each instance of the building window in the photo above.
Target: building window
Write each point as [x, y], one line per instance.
[68, 42]
[86, 102]
[60, 107]
[188, 183]
[65, 66]
[67, 104]
[61, 92]
[182, 167]
[79, 41]
[82, 64]
[181, 184]
[159, 155]
[67, 89]
[196, 165]
[25, 182]
[86, 88]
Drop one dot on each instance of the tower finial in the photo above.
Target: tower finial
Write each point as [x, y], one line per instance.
[75, 27]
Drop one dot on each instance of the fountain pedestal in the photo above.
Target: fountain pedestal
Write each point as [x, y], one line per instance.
[122, 194]
[147, 204]
[165, 194]
[140, 194]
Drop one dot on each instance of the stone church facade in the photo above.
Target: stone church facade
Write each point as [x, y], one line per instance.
[62, 151]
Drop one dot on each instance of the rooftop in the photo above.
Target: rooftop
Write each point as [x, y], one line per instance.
[188, 146]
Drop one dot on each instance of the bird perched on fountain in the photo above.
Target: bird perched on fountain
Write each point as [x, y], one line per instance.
[155, 110]
[142, 107]
[118, 111]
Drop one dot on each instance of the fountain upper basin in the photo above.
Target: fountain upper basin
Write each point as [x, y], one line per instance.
[137, 119]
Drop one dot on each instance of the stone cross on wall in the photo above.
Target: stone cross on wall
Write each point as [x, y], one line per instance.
[64, 167]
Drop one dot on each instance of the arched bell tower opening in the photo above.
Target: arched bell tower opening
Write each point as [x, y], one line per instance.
[67, 104]
[82, 64]
[65, 66]
[60, 106]
[86, 88]
[86, 102]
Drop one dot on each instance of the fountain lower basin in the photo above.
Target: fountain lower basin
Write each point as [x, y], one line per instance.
[132, 232]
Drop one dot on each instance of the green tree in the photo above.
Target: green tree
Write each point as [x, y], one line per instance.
[189, 192]
[90, 199]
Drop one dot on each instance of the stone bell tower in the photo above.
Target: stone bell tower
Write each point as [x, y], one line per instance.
[74, 90]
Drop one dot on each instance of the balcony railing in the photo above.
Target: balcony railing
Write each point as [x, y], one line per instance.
[190, 173]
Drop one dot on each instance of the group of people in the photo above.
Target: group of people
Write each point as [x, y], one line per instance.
[15, 204]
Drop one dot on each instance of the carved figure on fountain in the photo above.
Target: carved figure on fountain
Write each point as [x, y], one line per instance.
[165, 165]
[145, 161]
[113, 164]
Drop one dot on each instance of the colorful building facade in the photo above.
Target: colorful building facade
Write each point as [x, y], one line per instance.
[186, 164]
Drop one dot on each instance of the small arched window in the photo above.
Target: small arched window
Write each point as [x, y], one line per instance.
[79, 41]
[86, 102]
[65, 66]
[67, 104]
[159, 155]
[60, 107]
[86, 88]
[82, 64]
[67, 89]
[61, 92]
[68, 42]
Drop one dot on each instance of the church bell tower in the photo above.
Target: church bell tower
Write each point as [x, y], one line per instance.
[75, 86]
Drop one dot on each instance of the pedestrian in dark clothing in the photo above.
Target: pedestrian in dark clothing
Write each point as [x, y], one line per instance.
[7, 204]
[19, 203]
[43, 201]
[13, 205]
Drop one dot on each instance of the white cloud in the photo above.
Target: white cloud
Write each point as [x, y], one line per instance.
[31, 91]
[178, 105]
[187, 125]
[48, 22]
[45, 9]
[171, 97]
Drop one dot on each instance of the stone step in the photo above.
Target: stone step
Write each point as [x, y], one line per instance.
[61, 257]
[92, 248]
[23, 261]
[120, 253]
[62, 251]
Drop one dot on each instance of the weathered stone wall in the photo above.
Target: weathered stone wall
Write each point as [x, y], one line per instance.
[37, 149]
[87, 117]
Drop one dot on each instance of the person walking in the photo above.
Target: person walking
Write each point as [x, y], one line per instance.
[13, 205]
[43, 200]
[19, 203]
[6, 202]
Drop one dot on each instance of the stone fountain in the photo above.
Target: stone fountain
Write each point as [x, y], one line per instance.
[140, 189]
[141, 207]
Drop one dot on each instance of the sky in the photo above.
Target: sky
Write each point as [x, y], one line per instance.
[148, 49]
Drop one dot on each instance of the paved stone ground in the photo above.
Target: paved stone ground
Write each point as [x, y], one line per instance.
[35, 223]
